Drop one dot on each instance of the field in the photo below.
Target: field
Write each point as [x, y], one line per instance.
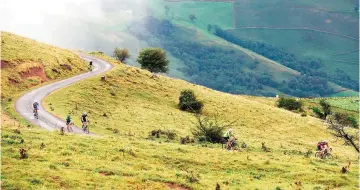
[219, 13]
[346, 93]
[350, 104]
[134, 103]
[324, 30]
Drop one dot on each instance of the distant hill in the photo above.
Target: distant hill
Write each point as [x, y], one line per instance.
[321, 44]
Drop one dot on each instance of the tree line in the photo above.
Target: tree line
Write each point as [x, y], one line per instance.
[309, 66]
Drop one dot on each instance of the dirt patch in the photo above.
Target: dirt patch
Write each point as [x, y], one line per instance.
[66, 66]
[33, 72]
[106, 173]
[13, 81]
[4, 64]
[177, 186]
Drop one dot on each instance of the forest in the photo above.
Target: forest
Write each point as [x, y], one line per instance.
[309, 66]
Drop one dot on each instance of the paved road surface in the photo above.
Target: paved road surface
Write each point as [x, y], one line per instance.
[46, 120]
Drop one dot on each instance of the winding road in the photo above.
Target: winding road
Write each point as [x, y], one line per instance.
[46, 120]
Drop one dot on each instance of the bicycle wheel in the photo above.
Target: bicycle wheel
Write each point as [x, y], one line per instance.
[329, 156]
[318, 155]
[86, 129]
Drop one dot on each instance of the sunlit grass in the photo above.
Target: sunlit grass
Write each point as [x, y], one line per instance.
[135, 103]
[19, 54]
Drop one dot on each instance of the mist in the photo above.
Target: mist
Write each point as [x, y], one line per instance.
[89, 25]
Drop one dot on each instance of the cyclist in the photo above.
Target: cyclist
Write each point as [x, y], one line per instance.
[322, 145]
[35, 107]
[90, 65]
[68, 122]
[227, 135]
[84, 120]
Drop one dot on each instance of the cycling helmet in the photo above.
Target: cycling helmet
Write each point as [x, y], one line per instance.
[35, 101]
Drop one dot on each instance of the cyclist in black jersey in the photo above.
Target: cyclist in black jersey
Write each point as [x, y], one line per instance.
[84, 119]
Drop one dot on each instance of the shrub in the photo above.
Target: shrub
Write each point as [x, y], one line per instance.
[186, 140]
[23, 154]
[353, 121]
[121, 54]
[346, 119]
[171, 135]
[289, 103]
[207, 130]
[188, 102]
[318, 112]
[326, 108]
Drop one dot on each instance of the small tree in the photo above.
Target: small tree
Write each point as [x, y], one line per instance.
[341, 127]
[289, 103]
[192, 17]
[121, 54]
[188, 102]
[153, 60]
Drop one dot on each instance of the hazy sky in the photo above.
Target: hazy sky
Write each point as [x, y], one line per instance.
[77, 24]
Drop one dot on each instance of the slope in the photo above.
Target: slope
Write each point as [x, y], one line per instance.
[26, 63]
[131, 103]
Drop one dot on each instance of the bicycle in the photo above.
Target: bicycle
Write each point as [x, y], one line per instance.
[232, 144]
[69, 127]
[36, 114]
[85, 127]
[325, 154]
[91, 68]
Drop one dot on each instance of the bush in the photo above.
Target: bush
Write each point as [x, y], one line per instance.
[121, 54]
[188, 102]
[326, 108]
[289, 103]
[171, 135]
[318, 112]
[186, 140]
[207, 130]
[353, 121]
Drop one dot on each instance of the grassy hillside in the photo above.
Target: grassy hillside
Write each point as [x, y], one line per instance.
[336, 24]
[26, 63]
[134, 103]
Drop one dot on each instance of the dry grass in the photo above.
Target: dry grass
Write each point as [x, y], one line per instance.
[135, 104]
[20, 54]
